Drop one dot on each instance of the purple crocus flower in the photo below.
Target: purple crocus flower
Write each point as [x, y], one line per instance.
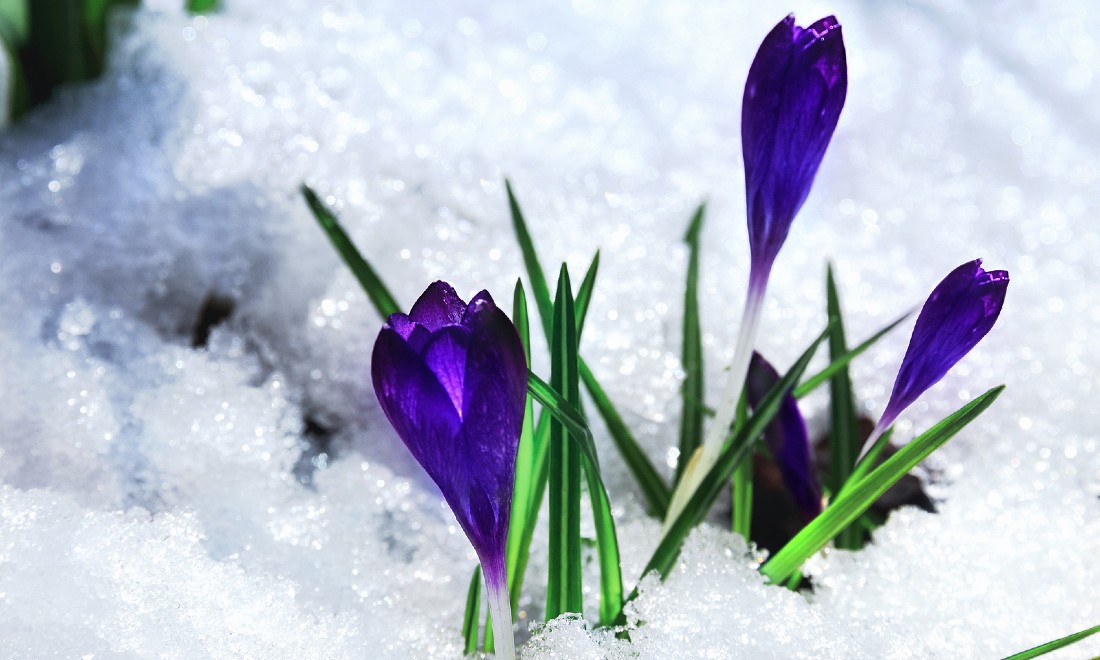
[793, 97]
[787, 438]
[960, 311]
[452, 378]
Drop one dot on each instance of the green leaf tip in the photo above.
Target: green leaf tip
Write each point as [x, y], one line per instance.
[368, 278]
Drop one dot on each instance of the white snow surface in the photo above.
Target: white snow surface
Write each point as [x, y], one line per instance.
[158, 500]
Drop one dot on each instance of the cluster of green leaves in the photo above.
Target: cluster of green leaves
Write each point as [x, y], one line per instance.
[52, 42]
[557, 449]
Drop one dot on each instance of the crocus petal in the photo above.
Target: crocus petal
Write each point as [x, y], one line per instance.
[787, 439]
[416, 404]
[960, 311]
[445, 356]
[438, 306]
[793, 97]
[496, 390]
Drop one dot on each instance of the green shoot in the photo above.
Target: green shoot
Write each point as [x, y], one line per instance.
[853, 501]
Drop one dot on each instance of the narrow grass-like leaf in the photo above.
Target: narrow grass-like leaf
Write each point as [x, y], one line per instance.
[584, 292]
[691, 358]
[535, 273]
[1043, 649]
[532, 457]
[844, 441]
[742, 486]
[818, 379]
[473, 609]
[527, 469]
[19, 97]
[607, 546]
[540, 444]
[563, 588]
[517, 568]
[14, 23]
[379, 295]
[653, 486]
[853, 501]
[203, 6]
[735, 450]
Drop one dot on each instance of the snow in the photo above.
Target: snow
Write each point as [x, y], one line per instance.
[248, 499]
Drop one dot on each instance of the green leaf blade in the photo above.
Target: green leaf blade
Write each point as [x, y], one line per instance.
[742, 485]
[564, 593]
[821, 377]
[653, 486]
[372, 284]
[854, 500]
[203, 6]
[527, 467]
[692, 393]
[1054, 645]
[584, 292]
[472, 613]
[844, 432]
[535, 274]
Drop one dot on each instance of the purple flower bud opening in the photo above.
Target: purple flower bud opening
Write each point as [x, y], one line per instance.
[787, 438]
[960, 311]
[452, 380]
[793, 97]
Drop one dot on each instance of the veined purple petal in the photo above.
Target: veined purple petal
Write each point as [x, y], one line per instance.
[414, 401]
[787, 439]
[960, 311]
[793, 97]
[444, 354]
[452, 380]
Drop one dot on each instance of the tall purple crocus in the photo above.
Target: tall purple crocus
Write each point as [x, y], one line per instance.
[787, 439]
[452, 378]
[792, 102]
[793, 97]
[961, 310]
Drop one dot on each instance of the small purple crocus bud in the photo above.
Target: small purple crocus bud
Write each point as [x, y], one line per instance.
[793, 97]
[452, 380]
[787, 438]
[960, 311]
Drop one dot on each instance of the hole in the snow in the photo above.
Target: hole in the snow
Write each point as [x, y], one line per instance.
[316, 452]
[216, 309]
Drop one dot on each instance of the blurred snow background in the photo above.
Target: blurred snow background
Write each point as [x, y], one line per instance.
[245, 498]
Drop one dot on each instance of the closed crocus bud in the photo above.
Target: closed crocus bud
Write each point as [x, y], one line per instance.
[787, 439]
[961, 310]
[793, 97]
[452, 378]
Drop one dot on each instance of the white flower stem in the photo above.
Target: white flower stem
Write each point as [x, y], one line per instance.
[501, 609]
[707, 454]
[876, 433]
